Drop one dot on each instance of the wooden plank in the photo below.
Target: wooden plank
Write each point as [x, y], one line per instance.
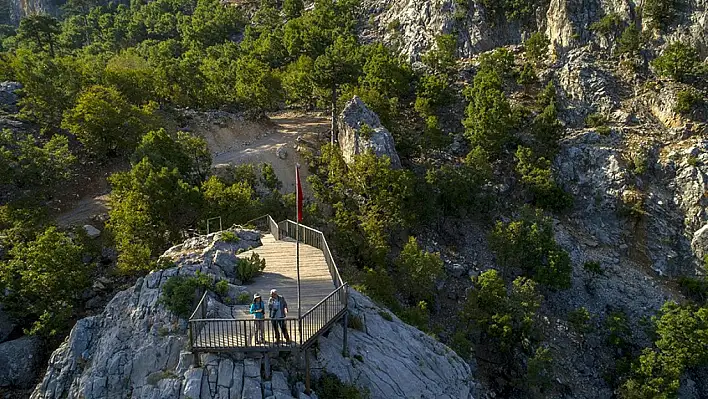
[280, 273]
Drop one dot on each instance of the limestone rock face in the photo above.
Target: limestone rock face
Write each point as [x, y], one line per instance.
[20, 361]
[412, 25]
[137, 348]
[394, 360]
[134, 346]
[361, 130]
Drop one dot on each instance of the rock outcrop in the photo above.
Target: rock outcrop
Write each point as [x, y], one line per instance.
[360, 130]
[137, 348]
[392, 359]
[412, 25]
[20, 359]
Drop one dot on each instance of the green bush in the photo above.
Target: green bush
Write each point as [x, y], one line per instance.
[418, 316]
[661, 12]
[443, 57]
[681, 344]
[694, 288]
[687, 101]
[529, 244]
[506, 317]
[250, 267]
[229, 236]
[417, 271]
[608, 24]
[243, 298]
[329, 386]
[221, 287]
[44, 278]
[179, 293]
[537, 176]
[537, 47]
[619, 333]
[355, 322]
[595, 120]
[679, 61]
[579, 319]
[594, 267]
[630, 41]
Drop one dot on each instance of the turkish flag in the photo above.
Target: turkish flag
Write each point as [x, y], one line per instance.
[299, 193]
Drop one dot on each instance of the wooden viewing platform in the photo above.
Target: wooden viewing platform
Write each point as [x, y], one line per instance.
[323, 295]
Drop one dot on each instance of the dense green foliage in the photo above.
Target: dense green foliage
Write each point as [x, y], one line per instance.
[528, 244]
[682, 343]
[30, 168]
[179, 293]
[418, 271]
[537, 47]
[678, 61]
[661, 12]
[44, 278]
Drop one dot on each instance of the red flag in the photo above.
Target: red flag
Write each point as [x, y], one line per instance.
[299, 193]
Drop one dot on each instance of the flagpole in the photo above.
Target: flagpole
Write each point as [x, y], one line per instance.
[297, 235]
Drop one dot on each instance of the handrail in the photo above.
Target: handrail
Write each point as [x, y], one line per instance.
[321, 243]
[199, 305]
[308, 326]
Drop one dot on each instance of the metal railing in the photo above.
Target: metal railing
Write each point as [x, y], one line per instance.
[266, 334]
[265, 223]
[263, 335]
[314, 238]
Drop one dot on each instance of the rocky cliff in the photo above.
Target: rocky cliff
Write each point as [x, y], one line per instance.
[411, 25]
[137, 348]
[16, 9]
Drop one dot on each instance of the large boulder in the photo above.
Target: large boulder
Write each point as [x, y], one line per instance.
[20, 360]
[8, 96]
[361, 130]
[392, 359]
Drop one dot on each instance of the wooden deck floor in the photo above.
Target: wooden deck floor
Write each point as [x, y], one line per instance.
[280, 273]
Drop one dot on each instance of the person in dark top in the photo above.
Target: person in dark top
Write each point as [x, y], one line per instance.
[278, 311]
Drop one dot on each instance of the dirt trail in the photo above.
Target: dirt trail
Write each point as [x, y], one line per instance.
[259, 143]
[233, 142]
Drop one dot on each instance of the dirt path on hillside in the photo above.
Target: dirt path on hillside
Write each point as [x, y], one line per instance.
[231, 142]
[259, 143]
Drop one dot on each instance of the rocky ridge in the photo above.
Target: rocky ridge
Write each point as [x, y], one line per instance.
[137, 348]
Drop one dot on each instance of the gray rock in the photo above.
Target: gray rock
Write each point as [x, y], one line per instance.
[357, 118]
[279, 382]
[91, 231]
[251, 388]
[421, 368]
[192, 383]
[6, 325]
[252, 368]
[227, 262]
[20, 359]
[8, 96]
[281, 152]
[226, 373]
[237, 385]
[700, 242]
